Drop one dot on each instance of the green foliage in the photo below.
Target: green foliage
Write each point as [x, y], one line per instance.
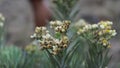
[10, 57]
[97, 56]
[65, 9]
[36, 58]
[14, 57]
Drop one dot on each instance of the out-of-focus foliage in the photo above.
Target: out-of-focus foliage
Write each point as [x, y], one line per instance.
[65, 9]
[1, 29]
[11, 57]
[14, 57]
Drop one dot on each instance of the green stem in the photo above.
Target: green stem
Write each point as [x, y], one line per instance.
[54, 60]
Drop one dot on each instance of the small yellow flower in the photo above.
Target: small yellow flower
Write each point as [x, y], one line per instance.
[104, 42]
[52, 23]
[63, 30]
[114, 32]
[94, 26]
[65, 39]
[55, 48]
[80, 31]
[58, 22]
[108, 27]
[107, 31]
[87, 27]
[100, 33]
[105, 24]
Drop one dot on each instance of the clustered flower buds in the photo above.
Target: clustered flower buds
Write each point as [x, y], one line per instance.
[49, 42]
[57, 41]
[100, 33]
[59, 26]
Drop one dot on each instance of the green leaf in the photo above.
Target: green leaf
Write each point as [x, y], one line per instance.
[58, 35]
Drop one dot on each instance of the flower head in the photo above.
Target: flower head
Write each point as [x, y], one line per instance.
[103, 30]
[48, 41]
[60, 26]
[105, 24]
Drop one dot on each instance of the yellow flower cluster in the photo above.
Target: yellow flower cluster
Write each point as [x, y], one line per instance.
[49, 42]
[100, 32]
[60, 26]
[40, 32]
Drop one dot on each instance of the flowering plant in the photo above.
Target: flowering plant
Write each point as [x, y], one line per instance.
[63, 48]
[66, 45]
